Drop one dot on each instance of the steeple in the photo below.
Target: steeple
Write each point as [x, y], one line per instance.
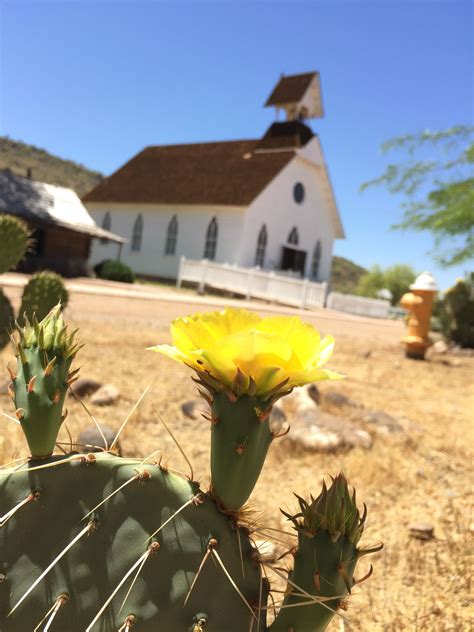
[298, 95]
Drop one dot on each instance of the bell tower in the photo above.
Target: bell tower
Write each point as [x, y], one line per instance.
[298, 95]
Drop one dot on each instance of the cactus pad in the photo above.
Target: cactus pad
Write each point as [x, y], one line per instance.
[14, 238]
[122, 530]
[42, 292]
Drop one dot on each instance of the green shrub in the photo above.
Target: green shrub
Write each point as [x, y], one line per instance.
[457, 313]
[114, 271]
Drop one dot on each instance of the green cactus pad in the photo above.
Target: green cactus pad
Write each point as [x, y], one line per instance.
[44, 355]
[14, 238]
[89, 572]
[42, 292]
[329, 529]
[240, 438]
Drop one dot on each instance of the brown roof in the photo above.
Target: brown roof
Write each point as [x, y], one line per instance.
[227, 173]
[290, 89]
[286, 134]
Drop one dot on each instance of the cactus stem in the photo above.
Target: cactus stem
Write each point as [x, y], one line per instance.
[31, 384]
[139, 476]
[5, 518]
[312, 598]
[196, 500]
[128, 623]
[240, 553]
[151, 549]
[50, 366]
[56, 396]
[91, 526]
[201, 566]
[176, 442]
[231, 397]
[52, 612]
[217, 557]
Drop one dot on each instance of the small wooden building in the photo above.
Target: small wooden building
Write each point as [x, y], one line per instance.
[61, 228]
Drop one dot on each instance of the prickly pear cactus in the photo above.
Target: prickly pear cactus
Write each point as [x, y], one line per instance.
[7, 319]
[42, 292]
[102, 543]
[14, 238]
[44, 352]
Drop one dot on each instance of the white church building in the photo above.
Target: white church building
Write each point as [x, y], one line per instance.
[264, 202]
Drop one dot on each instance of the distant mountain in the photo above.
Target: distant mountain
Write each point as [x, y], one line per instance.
[20, 157]
[345, 275]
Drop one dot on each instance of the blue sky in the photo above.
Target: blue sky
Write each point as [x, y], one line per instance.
[97, 81]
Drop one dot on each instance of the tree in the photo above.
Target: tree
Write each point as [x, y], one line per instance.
[397, 279]
[441, 188]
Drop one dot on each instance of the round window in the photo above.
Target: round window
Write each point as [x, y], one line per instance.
[298, 192]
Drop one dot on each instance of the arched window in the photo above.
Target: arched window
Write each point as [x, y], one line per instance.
[171, 236]
[316, 260]
[261, 246]
[293, 236]
[106, 224]
[211, 240]
[137, 234]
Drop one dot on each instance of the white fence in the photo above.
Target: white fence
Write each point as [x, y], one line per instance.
[280, 288]
[252, 282]
[376, 307]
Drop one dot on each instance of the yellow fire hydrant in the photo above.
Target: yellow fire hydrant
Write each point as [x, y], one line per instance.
[419, 303]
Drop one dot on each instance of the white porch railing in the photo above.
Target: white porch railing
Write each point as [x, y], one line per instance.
[252, 283]
[375, 307]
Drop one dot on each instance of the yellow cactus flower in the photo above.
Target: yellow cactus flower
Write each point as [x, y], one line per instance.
[236, 350]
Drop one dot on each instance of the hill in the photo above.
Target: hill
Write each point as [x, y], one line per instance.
[345, 275]
[45, 167]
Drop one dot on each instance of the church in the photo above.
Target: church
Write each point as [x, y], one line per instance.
[265, 202]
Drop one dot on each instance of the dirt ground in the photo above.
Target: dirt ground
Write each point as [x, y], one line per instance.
[421, 474]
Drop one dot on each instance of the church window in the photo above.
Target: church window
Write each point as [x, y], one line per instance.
[106, 224]
[137, 234]
[316, 260]
[211, 240]
[261, 246]
[171, 236]
[293, 236]
[298, 193]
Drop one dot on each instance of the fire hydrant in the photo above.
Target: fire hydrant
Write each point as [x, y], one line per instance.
[419, 303]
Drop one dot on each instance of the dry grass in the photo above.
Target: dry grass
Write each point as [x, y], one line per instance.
[422, 474]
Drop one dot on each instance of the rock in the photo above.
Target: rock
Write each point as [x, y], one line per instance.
[314, 393]
[193, 408]
[421, 530]
[277, 418]
[267, 550]
[335, 398]
[84, 386]
[365, 354]
[440, 347]
[381, 422]
[322, 432]
[106, 395]
[90, 439]
[300, 399]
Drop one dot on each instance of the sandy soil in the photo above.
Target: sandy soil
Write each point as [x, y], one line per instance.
[422, 474]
